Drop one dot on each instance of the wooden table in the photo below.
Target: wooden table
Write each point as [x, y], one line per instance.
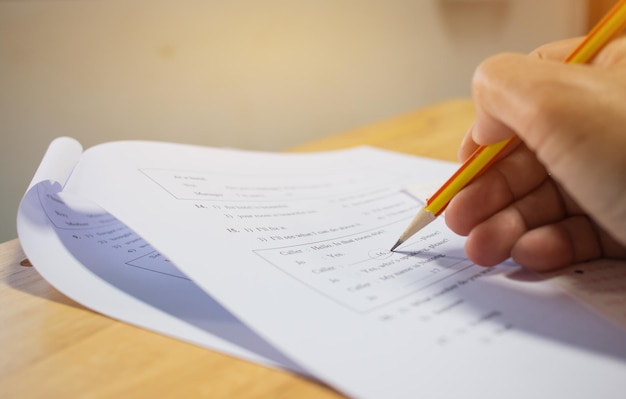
[53, 347]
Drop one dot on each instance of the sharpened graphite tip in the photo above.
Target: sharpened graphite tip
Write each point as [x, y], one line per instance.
[396, 245]
[420, 220]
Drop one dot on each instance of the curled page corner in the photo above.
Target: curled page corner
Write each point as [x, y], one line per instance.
[58, 162]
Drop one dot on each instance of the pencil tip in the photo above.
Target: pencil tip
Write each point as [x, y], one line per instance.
[396, 245]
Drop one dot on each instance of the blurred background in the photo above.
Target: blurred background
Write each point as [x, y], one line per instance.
[252, 74]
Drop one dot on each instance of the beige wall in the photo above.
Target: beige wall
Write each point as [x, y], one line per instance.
[251, 74]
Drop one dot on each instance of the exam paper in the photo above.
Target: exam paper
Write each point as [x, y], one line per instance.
[295, 246]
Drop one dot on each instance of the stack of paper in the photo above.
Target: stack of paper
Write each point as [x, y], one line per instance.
[283, 259]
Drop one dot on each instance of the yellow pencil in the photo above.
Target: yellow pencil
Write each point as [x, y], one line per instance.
[484, 156]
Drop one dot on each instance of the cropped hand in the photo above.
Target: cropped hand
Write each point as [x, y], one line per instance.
[559, 196]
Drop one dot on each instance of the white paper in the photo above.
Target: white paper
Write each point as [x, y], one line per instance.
[296, 247]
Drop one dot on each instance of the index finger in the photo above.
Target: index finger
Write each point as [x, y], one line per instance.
[556, 51]
[612, 55]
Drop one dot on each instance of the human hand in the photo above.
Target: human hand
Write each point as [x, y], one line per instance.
[559, 197]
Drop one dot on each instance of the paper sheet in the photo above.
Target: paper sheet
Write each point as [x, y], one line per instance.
[296, 247]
